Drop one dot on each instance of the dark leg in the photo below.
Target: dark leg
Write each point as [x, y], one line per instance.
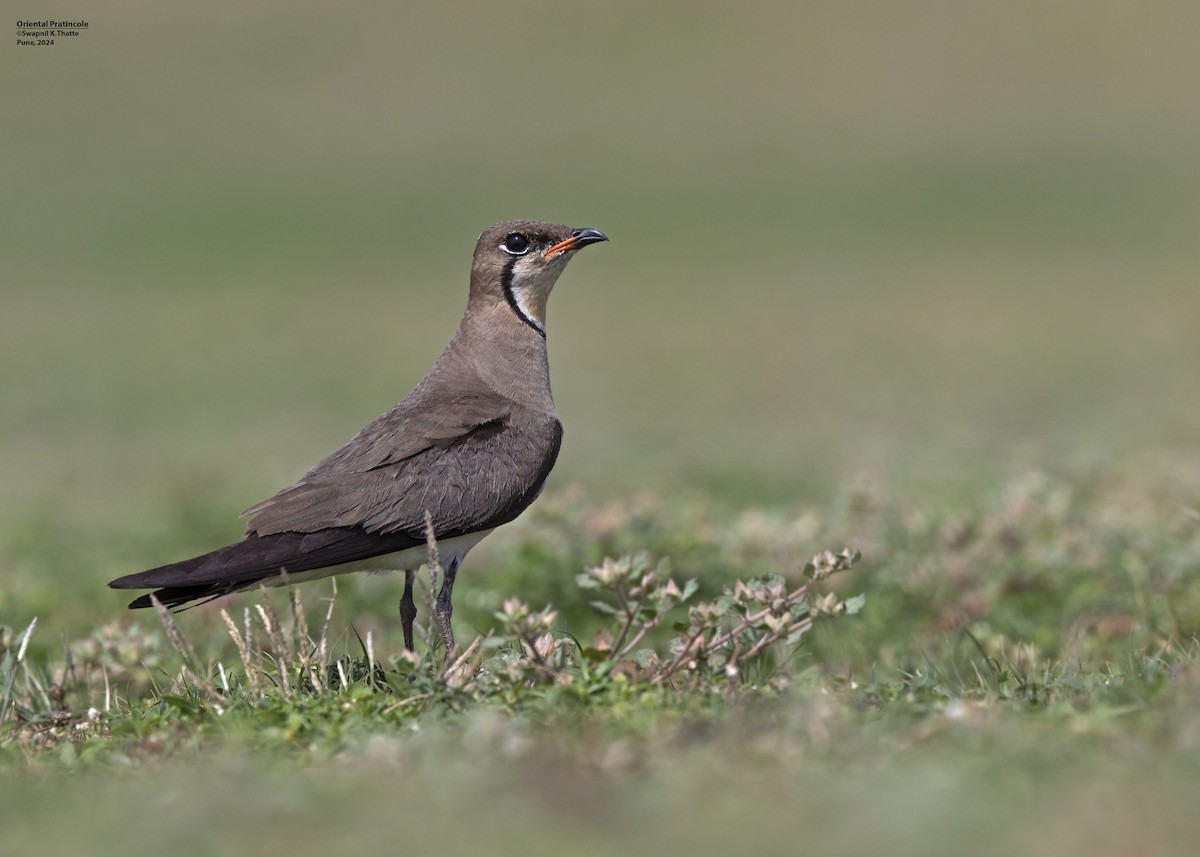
[443, 606]
[408, 610]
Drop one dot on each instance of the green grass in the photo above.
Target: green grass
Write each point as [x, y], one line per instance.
[1032, 655]
[916, 281]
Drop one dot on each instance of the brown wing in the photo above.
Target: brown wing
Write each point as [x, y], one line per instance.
[473, 464]
[413, 426]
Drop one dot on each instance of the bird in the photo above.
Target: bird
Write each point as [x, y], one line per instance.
[465, 452]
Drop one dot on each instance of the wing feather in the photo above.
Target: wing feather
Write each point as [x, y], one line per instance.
[471, 465]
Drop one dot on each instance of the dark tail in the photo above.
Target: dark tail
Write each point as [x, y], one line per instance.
[177, 596]
[206, 577]
[241, 566]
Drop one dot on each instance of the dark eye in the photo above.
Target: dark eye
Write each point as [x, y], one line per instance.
[516, 244]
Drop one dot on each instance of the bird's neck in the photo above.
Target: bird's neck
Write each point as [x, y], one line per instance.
[506, 354]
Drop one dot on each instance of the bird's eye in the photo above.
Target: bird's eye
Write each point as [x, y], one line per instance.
[516, 244]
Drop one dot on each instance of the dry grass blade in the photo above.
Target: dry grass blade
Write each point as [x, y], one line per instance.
[9, 667]
[323, 643]
[249, 628]
[243, 650]
[458, 674]
[181, 646]
[178, 642]
[433, 560]
[273, 627]
[68, 678]
[300, 626]
[25, 640]
[303, 644]
[408, 700]
[279, 645]
[431, 545]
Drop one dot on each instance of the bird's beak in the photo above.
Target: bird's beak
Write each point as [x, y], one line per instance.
[579, 238]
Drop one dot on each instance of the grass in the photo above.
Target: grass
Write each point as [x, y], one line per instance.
[918, 283]
[1034, 655]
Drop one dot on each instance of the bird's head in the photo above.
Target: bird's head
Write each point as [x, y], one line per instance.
[517, 263]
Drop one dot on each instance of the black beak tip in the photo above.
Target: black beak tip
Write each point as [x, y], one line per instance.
[583, 237]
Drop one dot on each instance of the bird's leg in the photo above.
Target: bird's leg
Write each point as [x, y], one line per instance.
[408, 610]
[443, 608]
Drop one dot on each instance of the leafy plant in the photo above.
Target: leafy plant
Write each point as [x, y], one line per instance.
[719, 638]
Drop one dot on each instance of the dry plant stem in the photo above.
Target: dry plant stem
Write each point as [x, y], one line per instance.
[433, 561]
[271, 624]
[450, 666]
[29, 633]
[283, 655]
[68, 677]
[630, 617]
[304, 647]
[755, 618]
[181, 646]
[178, 642]
[685, 655]
[247, 663]
[691, 651]
[300, 626]
[403, 702]
[773, 638]
[433, 580]
[249, 627]
[637, 638]
[323, 645]
[431, 545]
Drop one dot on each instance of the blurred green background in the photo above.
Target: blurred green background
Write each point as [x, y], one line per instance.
[919, 239]
[926, 245]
